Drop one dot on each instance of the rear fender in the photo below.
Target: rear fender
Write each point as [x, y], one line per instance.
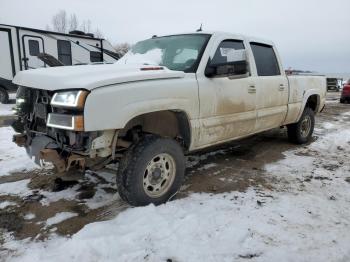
[306, 96]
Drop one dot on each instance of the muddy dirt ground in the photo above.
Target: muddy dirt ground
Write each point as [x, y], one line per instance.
[231, 167]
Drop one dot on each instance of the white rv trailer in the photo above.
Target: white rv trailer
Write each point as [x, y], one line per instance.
[20, 47]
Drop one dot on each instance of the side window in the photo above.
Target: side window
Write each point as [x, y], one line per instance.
[34, 49]
[64, 52]
[265, 60]
[223, 49]
[95, 56]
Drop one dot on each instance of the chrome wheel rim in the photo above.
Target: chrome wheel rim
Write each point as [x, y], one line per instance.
[159, 175]
[305, 126]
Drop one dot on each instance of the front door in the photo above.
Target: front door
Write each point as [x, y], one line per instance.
[227, 103]
[32, 47]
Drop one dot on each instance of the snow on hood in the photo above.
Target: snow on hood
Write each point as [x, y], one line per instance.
[90, 76]
[152, 57]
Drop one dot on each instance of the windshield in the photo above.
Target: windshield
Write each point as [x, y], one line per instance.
[178, 52]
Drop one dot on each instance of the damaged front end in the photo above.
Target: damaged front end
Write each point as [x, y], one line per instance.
[51, 129]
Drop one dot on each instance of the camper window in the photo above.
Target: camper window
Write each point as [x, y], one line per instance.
[33, 47]
[95, 57]
[64, 52]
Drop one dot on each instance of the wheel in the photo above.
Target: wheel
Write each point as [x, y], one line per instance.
[151, 171]
[301, 132]
[4, 96]
[342, 101]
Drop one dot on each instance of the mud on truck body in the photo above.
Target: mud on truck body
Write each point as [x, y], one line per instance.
[165, 98]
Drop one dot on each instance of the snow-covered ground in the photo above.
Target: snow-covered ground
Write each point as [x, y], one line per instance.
[12, 157]
[305, 217]
[6, 109]
[59, 217]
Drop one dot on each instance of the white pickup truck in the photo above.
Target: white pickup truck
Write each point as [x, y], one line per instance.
[166, 97]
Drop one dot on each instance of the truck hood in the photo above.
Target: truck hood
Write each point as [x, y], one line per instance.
[91, 76]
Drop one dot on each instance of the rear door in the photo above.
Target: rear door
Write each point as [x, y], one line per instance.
[272, 88]
[32, 47]
[7, 70]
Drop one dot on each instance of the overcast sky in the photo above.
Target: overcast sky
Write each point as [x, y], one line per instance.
[310, 34]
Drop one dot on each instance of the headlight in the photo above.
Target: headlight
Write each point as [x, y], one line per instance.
[67, 122]
[74, 99]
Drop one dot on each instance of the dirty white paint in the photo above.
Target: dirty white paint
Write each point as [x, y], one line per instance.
[218, 109]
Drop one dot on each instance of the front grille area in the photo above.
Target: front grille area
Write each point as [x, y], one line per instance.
[33, 106]
[40, 110]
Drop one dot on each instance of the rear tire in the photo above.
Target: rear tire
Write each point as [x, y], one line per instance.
[342, 101]
[151, 171]
[301, 132]
[4, 96]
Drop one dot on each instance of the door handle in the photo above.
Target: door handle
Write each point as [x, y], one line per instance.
[252, 89]
[281, 87]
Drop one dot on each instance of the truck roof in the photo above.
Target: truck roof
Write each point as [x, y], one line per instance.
[229, 35]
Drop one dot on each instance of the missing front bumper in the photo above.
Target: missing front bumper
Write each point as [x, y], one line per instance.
[62, 164]
[45, 149]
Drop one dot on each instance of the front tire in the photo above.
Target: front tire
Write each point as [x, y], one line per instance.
[4, 96]
[301, 132]
[151, 172]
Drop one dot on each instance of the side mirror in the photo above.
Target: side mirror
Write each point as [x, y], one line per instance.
[235, 65]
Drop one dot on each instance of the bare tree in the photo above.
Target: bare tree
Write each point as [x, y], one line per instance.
[122, 48]
[63, 23]
[59, 21]
[89, 28]
[86, 26]
[73, 22]
[98, 33]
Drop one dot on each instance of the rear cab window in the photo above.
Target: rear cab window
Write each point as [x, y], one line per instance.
[265, 60]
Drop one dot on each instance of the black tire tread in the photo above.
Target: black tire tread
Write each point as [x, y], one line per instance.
[294, 129]
[127, 166]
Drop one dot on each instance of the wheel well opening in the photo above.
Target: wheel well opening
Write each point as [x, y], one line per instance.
[164, 123]
[313, 102]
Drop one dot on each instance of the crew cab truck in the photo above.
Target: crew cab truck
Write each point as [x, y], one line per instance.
[166, 97]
